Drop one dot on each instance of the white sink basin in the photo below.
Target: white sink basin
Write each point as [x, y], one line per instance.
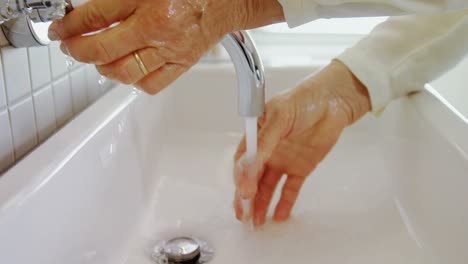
[132, 170]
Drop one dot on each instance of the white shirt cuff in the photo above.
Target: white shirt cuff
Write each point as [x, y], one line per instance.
[372, 75]
[299, 12]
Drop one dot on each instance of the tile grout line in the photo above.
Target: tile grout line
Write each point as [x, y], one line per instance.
[49, 84]
[33, 100]
[71, 72]
[7, 106]
[68, 75]
[52, 86]
[88, 96]
[74, 107]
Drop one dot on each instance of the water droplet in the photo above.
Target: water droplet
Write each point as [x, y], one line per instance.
[70, 61]
[136, 91]
[102, 80]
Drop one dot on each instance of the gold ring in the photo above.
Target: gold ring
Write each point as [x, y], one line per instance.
[140, 63]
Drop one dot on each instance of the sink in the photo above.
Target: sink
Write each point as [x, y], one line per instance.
[133, 170]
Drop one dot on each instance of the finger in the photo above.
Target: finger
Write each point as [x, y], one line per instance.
[266, 189]
[269, 135]
[161, 78]
[247, 175]
[241, 148]
[238, 206]
[289, 195]
[128, 71]
[104, 47]
[91, 16]
[239, 166]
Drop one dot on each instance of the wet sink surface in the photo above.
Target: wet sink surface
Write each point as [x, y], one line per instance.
[346, 213]
[133, 170]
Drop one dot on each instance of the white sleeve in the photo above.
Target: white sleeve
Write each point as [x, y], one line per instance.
[298, 12]
[402, 54]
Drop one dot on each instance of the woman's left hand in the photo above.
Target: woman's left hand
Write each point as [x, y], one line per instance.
[298, 130]
[169, 36]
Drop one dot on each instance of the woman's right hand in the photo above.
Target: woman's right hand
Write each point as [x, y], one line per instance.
[298, 130]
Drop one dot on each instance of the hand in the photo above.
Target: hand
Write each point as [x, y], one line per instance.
[169, 36]
[297, 131]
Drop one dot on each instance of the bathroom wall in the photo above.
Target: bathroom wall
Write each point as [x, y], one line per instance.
[39, 94]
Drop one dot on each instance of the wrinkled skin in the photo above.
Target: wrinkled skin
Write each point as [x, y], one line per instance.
[298, 130]
[170, 36]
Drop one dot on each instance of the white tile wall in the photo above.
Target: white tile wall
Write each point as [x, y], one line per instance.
[6, 143]
[63, 100]
[2, 89]
[23, 126]
[58, 61]
[38, 95]
[39, 66]
[16, 74]
[79, 89]
[94, 89]
[46, 120]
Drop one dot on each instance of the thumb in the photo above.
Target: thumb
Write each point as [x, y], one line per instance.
[247, 171]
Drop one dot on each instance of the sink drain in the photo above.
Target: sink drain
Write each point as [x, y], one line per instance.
[182, 250]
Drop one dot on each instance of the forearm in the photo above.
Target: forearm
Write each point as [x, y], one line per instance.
[298, 12]
[234, 15]
[263, 12]
[404, 53]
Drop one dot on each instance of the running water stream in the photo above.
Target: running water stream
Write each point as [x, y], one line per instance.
[251, 152]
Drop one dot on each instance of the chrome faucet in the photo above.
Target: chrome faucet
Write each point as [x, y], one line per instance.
[37, 10]
[23, 25]
[250, 73]
[25, 22]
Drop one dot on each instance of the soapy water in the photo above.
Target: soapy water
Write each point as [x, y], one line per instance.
[251, 152]
[159, 256]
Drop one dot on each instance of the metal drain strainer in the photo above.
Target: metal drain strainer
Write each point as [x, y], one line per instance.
[182, 250]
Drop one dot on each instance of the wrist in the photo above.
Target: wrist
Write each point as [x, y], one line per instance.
[261, 13]
[226, 16]
[356, 95]
[344, 86]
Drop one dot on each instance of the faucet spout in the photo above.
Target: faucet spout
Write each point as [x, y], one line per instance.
[250, 73]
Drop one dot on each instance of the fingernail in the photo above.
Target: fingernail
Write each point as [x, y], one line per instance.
[53, 35]
[64, 49]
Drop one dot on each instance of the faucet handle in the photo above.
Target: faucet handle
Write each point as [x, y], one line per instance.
[47, 10]
[25, 22]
